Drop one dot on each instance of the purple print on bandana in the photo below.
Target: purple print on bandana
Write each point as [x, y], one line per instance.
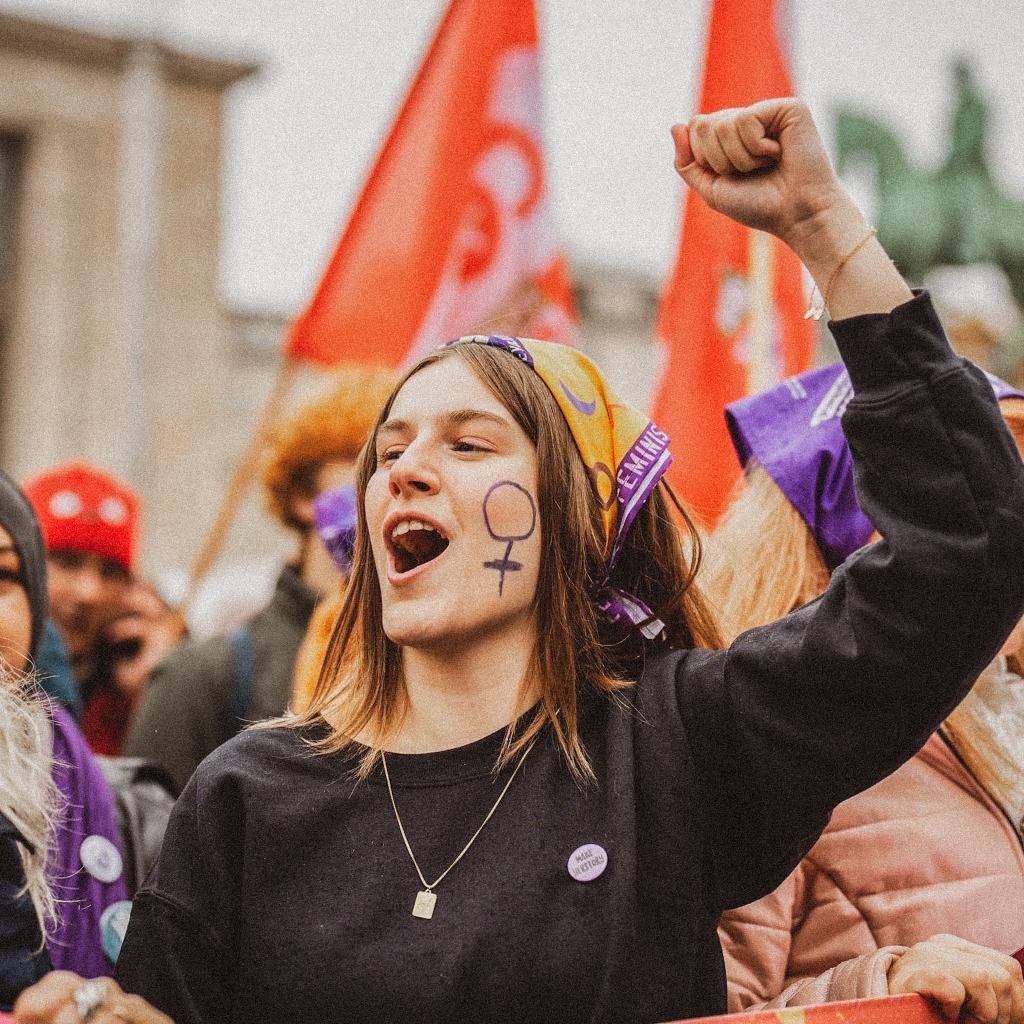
[509, 344]
[587, 408]
[510, 515]
[639, 472]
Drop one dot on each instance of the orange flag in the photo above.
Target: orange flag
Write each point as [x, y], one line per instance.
[452, 233]
[731, 318]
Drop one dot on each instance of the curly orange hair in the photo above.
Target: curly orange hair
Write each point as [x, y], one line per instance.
[331, 428]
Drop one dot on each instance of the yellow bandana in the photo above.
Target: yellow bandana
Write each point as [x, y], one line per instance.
[624, 452]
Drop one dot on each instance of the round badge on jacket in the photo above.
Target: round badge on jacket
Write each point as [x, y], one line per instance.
[113, 925]
[101, 858]
[587, 862]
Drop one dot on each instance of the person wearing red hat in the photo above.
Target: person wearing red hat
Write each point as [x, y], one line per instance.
[114, 625]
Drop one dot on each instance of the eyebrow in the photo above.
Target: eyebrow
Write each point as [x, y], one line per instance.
[455, 418]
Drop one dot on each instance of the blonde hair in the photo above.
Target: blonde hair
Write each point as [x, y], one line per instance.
[360, 688]
[28, 796]
[763, 560]
[332, 428]
[996, 766]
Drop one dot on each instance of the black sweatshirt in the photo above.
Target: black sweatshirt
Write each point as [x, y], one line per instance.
[284, 892]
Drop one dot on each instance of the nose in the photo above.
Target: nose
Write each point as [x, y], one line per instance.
[413, 473]
[88, 585]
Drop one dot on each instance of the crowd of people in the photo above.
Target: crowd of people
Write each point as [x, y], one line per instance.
[514, 739]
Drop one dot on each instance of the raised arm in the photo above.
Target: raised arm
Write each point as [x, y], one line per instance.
[765, 166]
[801, 714]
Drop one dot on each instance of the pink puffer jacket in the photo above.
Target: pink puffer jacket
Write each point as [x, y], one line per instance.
[924, 851]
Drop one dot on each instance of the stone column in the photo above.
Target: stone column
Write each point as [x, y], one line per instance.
[46, 327]
[139, 233]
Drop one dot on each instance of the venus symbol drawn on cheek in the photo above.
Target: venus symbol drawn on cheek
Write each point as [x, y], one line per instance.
[510, 515]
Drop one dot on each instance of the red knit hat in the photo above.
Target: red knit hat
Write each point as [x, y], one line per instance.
[84, 509]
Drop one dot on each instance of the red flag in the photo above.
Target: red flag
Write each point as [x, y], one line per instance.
[910, 1009]
[731, 318]
[452, 232]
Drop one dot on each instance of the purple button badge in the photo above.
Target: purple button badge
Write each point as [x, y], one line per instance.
[587, 862]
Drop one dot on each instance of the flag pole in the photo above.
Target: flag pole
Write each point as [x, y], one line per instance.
[245, 472]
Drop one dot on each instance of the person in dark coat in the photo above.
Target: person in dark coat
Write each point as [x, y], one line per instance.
[207, 689]
[113, 625]
[87, 871]
[28, 805]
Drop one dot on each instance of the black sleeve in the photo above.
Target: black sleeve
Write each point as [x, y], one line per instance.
[182, 715]
[23, 960]
[178, 952]
[801, 714]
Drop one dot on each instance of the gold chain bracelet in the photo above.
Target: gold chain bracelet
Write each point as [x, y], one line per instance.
[816, 310]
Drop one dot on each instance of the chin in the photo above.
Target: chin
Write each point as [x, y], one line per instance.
[430, 629]
[414, 627]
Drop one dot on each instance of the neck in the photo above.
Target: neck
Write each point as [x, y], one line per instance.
[464, 692]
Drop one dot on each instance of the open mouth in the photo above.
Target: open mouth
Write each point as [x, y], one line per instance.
[413, 542]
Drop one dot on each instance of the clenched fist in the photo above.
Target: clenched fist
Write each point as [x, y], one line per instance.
[764, 166]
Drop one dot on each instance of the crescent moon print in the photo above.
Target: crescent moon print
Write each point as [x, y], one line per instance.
[510, 515]
[587, 408]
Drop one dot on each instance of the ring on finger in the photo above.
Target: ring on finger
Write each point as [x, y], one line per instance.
[89, 998]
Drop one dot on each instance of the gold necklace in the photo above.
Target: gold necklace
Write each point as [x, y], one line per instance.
[426, 898]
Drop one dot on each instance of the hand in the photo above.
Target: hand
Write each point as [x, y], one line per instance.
[764, 166]
[52, 1001]
[143, 634]
[962, 977]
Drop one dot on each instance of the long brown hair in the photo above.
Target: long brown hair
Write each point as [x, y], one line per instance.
[360, 685]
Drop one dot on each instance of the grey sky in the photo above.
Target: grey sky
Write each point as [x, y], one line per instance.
[301, 137]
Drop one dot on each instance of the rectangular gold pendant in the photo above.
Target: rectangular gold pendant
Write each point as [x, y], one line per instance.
[424, 905]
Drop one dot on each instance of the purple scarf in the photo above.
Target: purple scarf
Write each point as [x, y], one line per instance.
[795, 431]
[77, 941]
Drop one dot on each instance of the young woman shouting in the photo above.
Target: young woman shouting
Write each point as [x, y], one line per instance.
[527, 786]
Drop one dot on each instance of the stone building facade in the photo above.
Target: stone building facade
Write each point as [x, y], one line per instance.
[114, 342]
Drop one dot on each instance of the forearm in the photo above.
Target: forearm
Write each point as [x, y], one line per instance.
[832, 698]
[765, 166]
[861, 977]
[867, 282]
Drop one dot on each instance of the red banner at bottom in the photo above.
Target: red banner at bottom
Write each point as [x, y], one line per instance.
[891, 1010]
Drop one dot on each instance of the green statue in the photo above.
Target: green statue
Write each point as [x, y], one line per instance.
[956, 215]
